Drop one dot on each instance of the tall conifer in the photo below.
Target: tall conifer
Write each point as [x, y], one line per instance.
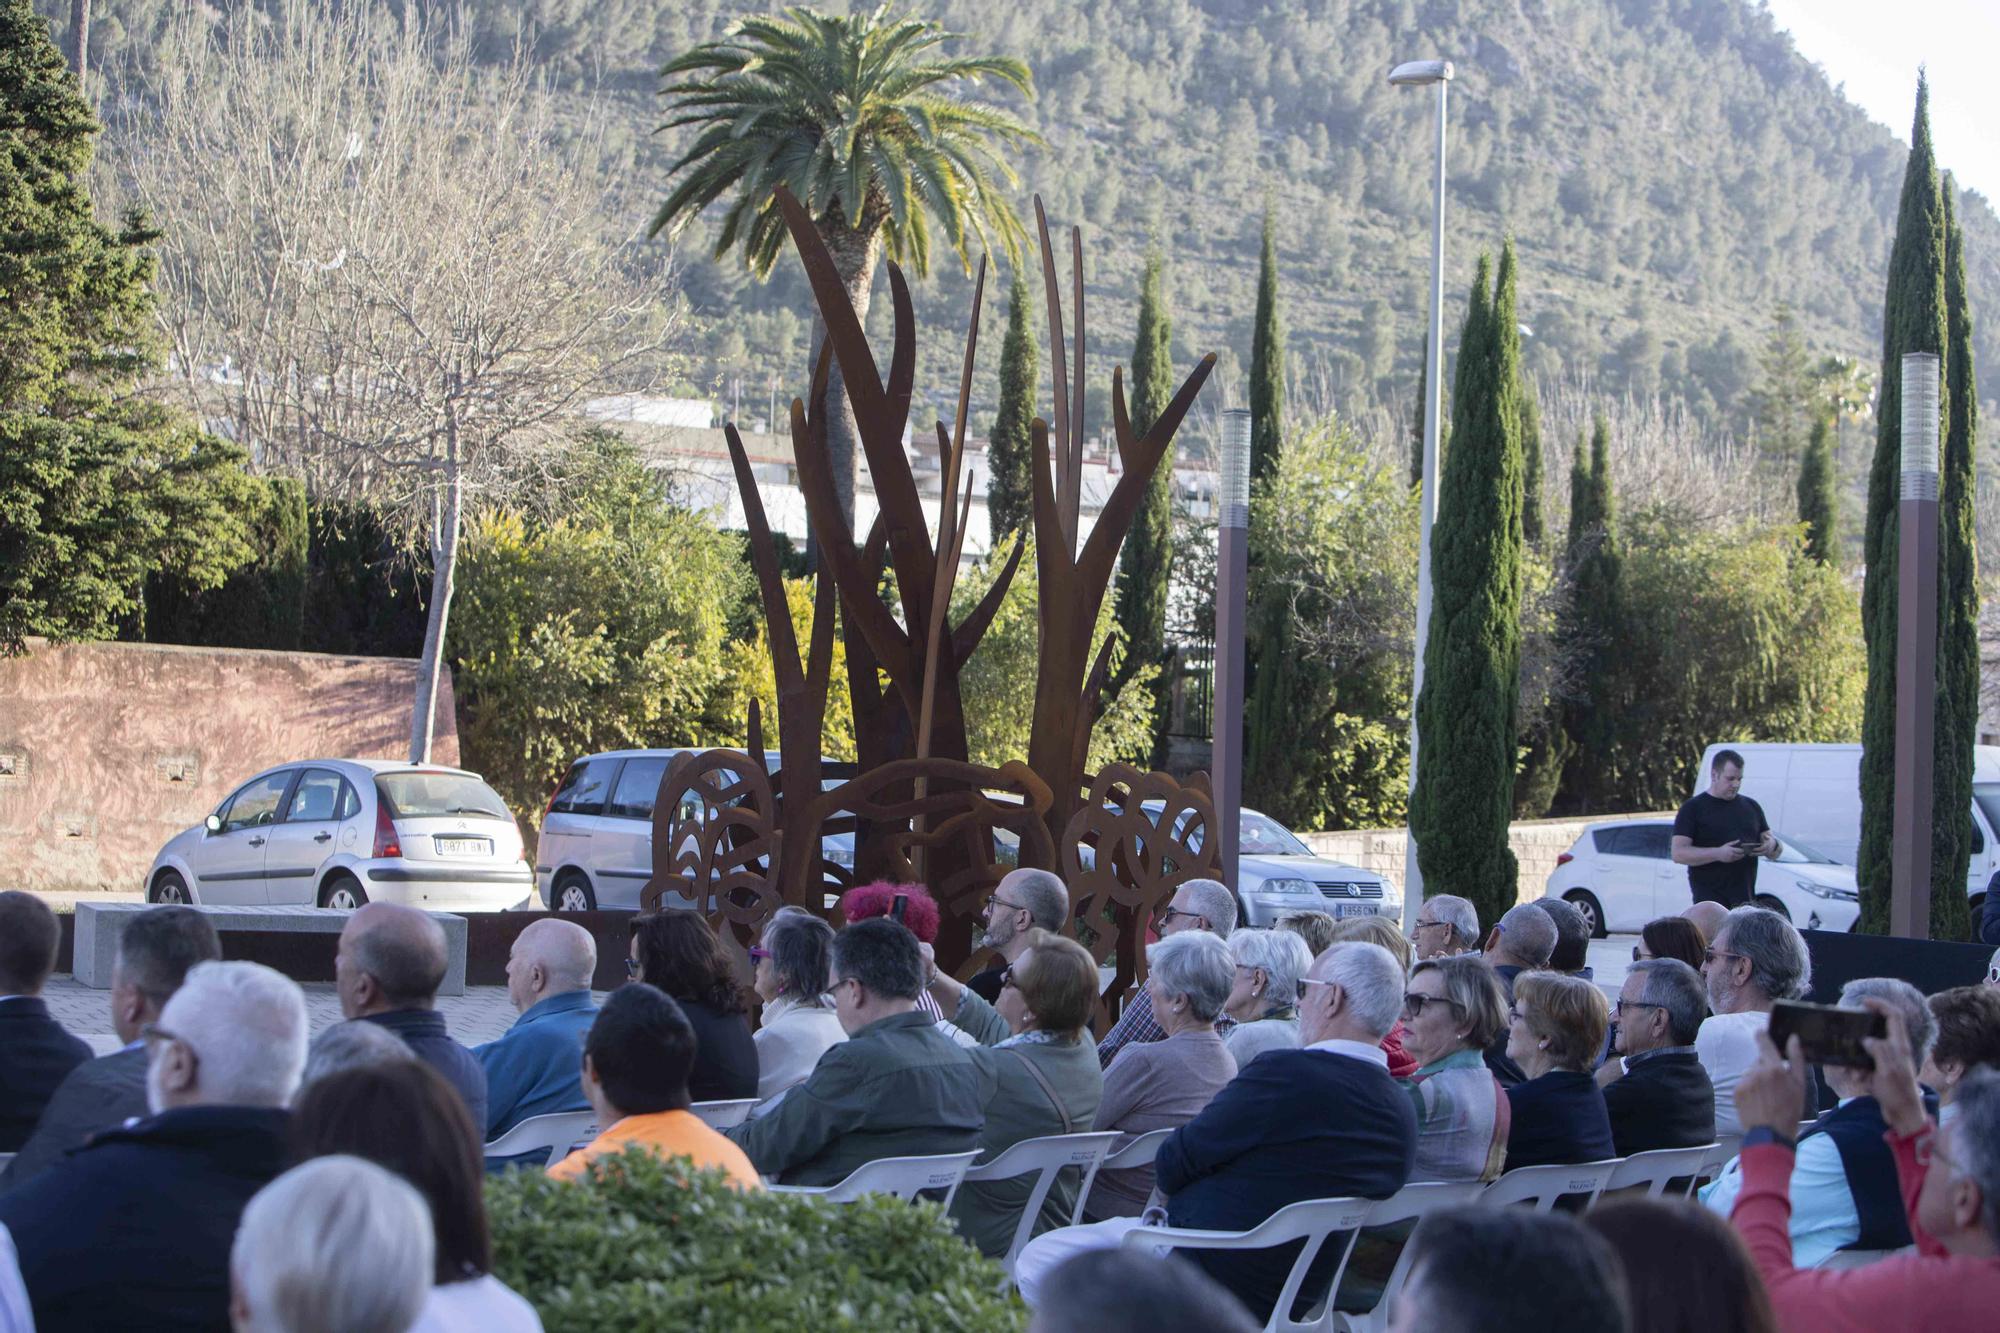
[1267, 362]
[1593, 625]
[1146, 561]
[1958, 600]
[1009, 488]
[1531, 464]
[1818, 499]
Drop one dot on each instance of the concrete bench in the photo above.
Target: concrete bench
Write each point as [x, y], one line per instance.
[98, 926]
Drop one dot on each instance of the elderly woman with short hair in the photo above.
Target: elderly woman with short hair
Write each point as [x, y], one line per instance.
[1164, 1084]
[1265, 998]
[1555, 1032]
[1453, 1009]
[794, 967]
[1968, 1038]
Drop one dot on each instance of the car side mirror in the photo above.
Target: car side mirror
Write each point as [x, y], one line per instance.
[213, 823]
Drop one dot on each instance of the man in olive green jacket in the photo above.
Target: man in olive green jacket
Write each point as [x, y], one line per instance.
[897, 1087]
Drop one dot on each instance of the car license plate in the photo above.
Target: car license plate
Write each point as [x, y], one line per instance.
[1341, 911]
[465, 846]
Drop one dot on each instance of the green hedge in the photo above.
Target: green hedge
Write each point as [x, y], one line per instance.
[647, 1244]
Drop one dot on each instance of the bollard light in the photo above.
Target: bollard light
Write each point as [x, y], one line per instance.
[1920, 426]
[1234, 500]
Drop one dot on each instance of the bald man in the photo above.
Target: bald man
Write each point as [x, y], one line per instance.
[388, 970]
[1707, 917]
[536, 1069]
[1021, 901]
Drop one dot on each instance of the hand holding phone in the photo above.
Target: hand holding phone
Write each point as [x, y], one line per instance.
[898, 907]
[1828, 1034]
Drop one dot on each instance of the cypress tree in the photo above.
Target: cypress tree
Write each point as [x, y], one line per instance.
[1913, 320]
[1958, 602]
[1465, 715]
[1417, 423]
[1267, 363]
[1531, 464]
[1009, 484]
[1147, 558]
[1592, 625]
[1818, 500]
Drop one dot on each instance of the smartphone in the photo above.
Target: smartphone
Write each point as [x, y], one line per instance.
[1831, 1035]
[1750, 844]
[898, 907]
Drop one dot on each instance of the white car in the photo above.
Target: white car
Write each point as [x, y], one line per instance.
[343, 832]
[1621, 874]
[1277, 874]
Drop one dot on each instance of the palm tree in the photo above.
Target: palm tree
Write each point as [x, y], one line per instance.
[849, 114]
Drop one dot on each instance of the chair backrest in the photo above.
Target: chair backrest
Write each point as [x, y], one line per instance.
[1315, 1221]
[724, 1115]
[1542, 1186]
[558, 1133]
[1048, 1157]
[1716, 1158]
[901, 1177]
[1410, 1204]
[1139, 1152]
[1658, 1169]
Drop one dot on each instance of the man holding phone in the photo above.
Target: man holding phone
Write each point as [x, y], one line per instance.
[1719, 834]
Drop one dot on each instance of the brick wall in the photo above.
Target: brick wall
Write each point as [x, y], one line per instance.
[109, 749]
[1536, 844]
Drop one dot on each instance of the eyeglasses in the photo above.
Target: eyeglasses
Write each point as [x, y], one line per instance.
[1007, 978]
[1172, 912]
[1414, 1002]
[997, 901]
[1312, 981]
[1639, 957]
[1621, 1006]
[632, 968]
[1426, 925]
[1710, 955]
[834, 989]
[758, 953]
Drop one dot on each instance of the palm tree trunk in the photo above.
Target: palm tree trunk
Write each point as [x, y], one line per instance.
[854, 254]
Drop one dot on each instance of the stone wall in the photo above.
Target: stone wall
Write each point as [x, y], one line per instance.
[109, 749]
[1536, 844]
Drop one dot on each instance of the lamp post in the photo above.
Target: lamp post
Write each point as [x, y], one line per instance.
[1418, 73]
[1916, 651]
[1232, 575]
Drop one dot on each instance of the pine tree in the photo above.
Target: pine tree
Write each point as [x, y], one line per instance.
[1531, 464]
[1147, 558]
[98, 486]
[1465, 716]
[1913, 320]
[1958, 601]
[1819, 499]
[1010, 487]
[1267, 362]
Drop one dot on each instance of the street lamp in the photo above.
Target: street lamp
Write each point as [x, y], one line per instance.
[1232, 576]
[1417, 73]
[1916, 651]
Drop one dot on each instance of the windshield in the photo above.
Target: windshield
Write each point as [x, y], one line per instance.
[1793, 852]
[1256, 835]
[416, 795]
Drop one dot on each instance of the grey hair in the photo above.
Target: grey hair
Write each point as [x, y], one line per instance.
[1780, 967]
[1281, 953]
[1212, 900]
[247, 1026]
[1678, 989]
[1906, 1000]
[1045, 896]
[355, 1044]
[801, 946]
[1372, 980]
[337, 1245]
[1460, 915]
[1975, 1140]
[1196, 964]
[1528, 933]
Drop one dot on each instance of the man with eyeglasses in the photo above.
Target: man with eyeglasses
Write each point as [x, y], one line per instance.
[1656, 1092]
[1446, 925]
[1753, 961]
[1199, 904]
[1021, 901]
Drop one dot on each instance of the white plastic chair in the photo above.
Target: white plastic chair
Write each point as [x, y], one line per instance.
[724, 1115]
[1718, 1157]
[1412, 1202]
[1541, 1186]
[1048, 1157]
[899, 1177]
[1315, 1221]
[1139, 1152]
[558, 1133]
[1658, 1169]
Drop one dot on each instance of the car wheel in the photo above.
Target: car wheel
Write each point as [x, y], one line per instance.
[169, 888]
[1771, 904]
[1585, 902]
[343, 893]
[574, 894]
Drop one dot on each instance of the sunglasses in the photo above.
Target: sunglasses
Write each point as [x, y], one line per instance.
[1413, 1003]
[1007, 978]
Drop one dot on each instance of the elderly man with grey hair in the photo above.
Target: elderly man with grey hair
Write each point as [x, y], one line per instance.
[338, 1245]
[133, 1229]
[535, 1067]
[1522, 940]
[1198, 904]
[1446, 925]
[1022, 901]
[1656, 1092]
[1322, 1122]
[1754, 959]
[1844, 1194]
[387, 970]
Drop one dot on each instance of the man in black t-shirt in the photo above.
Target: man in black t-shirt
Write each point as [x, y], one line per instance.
[1719, 834]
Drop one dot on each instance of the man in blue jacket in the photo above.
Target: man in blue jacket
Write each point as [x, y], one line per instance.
[388, 968]
[536, 1068]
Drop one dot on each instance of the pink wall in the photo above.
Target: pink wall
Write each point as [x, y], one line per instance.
[109, 749]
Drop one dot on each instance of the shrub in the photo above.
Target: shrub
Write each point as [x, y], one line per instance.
[643, 1243]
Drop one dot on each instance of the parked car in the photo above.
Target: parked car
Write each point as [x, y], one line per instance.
[1278, 874]
[1620, 874]
[343, 832]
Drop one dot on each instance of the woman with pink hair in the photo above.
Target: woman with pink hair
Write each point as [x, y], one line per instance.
[920, 915]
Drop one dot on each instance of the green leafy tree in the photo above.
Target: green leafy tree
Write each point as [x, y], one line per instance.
[1958, 599]
[1145, 562]
[858, 116]
[749, 673]
[1913, 320]
[1010, 487]
[1819, 496]
[99, 488]
[1465, 716]
[1267, 361]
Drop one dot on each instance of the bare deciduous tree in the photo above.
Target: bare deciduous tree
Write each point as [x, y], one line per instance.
[383, 270]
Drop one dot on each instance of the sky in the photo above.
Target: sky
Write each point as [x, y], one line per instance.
[1875, 46]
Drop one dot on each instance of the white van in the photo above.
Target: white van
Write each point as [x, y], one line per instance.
[1814, 793]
